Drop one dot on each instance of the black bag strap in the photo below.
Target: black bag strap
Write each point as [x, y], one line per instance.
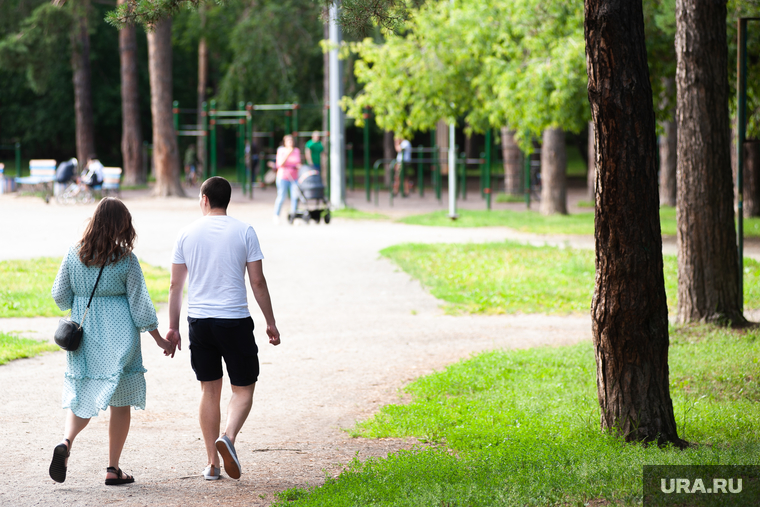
[92, 295]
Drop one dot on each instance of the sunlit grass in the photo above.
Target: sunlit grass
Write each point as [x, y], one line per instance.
[14, 347]
[25, 286]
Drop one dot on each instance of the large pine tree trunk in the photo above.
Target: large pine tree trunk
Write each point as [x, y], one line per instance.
[200, 143]
[668, 160]
[131, 131]
[629, 310]
[553, 171]
[708, 266]
[389, 152]
[80, 63]
[165, 150]
[591, 162]
[510, 152]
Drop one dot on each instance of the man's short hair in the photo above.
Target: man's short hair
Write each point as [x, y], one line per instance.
[218, 191]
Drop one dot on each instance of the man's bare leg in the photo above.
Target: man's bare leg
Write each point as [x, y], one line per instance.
[210, 417]
[238, 409]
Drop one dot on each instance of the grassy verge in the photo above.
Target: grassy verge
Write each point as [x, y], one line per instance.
[534, 222]
[357, 214]
[25, 287]
[14, 347]
[522, 428]
[509, 277]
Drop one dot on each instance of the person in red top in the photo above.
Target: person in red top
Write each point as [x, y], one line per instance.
[287, 163]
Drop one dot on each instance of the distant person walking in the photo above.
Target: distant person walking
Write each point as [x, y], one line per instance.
[287, 161]
[215, 252]
[106, 370]
[314, 151]
[403, 159]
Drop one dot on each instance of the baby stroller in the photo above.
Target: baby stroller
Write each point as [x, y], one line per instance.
[311, 194]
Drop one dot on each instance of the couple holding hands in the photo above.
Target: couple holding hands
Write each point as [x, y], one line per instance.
[212, 254]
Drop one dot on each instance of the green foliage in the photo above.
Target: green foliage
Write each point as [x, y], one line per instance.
[37, 43]
[495, 63]
[14, 347]
[25, 287]
[509, 277]
[522, 428]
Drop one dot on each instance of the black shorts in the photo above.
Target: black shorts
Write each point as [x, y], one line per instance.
[231, 339]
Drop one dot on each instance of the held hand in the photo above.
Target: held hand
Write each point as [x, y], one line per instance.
[274, 335]
[167, 346]
[174, 338]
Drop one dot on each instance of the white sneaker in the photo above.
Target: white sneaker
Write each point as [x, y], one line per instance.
[211, 473]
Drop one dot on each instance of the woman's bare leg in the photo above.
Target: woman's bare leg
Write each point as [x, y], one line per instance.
[118, 429]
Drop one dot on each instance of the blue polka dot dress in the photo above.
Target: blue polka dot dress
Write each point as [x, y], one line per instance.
[107, 367]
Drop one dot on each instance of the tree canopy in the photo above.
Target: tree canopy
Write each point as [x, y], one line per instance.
[491, 62]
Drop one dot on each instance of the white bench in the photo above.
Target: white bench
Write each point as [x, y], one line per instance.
[41, 172]
[111, 180]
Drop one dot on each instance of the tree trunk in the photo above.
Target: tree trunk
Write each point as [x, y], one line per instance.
[591, 161]
[131, 131]
[389, 152]
[442, 142]
[629, 310]
[708, 266]
[201, 144]
[668, 159]
[80, 63]
[752, 178]
[553, 171]
[165, 150]
[513, 172]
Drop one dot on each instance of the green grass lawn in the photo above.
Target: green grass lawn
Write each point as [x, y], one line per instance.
[14, 347]
[357, 214]
[509, 428]
[509, 277]
[25, 287]
[534, 222]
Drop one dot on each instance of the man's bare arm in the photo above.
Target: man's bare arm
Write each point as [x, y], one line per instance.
[176, 285]
[261, 293]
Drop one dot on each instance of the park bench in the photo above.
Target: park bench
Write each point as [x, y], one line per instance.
[41, 174]
[111, 180]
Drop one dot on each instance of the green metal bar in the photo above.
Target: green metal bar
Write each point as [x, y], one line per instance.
[295, 118]
[421, 172]
[327, 190]
[741, 121]
[175, 115]
[487, 168]
[204, 116]
[212, 140]
[375, 181]
[366, 116]
[527, 179]
[248, 139]
[488, 153]
[437, 166]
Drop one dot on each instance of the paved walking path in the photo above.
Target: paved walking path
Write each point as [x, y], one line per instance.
[354, 329]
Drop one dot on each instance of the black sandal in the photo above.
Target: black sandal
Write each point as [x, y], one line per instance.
[121, 479]
[58, 465]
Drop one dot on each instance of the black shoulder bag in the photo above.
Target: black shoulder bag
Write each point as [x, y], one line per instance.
[68, 336]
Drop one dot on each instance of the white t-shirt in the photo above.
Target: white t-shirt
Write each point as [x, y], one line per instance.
[405, 152]
[215, 250]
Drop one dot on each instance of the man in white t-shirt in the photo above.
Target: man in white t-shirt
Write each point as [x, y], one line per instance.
[215, 252]
[403, 160]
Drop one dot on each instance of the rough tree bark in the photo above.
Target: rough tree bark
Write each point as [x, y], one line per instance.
[668, 161]
[80, 63]
[389, 152]
[165, 150]
[131, 131]
[200, 143]
[629, 309]
[708, 265]
[553, 170]
[510, 152]
[591, 162]
[751, 172]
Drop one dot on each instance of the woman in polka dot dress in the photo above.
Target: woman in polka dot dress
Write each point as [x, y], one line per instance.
[106, 370]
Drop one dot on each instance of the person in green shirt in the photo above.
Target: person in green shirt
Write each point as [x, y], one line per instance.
[314, 151]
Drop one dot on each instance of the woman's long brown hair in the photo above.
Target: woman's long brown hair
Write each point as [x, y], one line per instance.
[109, 236]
